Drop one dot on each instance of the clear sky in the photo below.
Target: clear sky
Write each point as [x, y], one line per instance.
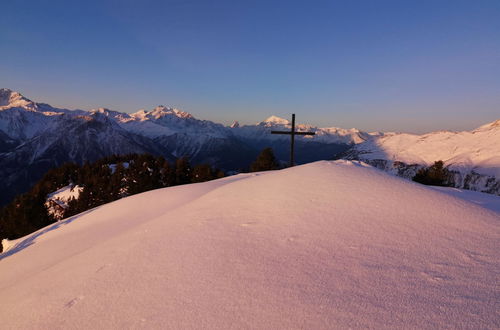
[402, 65]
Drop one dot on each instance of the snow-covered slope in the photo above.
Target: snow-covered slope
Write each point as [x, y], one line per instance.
[320, 246]
[476, 150]
[473, 155]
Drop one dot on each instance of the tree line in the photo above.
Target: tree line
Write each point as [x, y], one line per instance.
[104, 181]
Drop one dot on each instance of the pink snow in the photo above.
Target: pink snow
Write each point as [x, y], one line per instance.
[320, 246]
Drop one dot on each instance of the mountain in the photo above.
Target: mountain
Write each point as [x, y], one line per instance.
[317, 246]
[473, 157]
[35, 137]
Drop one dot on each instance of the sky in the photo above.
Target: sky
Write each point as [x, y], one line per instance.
[405, 65]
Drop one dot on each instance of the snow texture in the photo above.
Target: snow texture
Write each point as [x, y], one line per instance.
[320, 246]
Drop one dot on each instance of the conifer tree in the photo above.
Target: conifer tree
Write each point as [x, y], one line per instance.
[435, 175]
[265, 161]
[202, 173]
[167, 174]
[182, 170]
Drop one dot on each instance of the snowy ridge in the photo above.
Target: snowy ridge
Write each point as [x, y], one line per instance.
[474, 155]
[318, 246]
[161, 121]
[464, 151]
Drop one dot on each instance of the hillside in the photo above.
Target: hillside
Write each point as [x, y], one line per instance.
[473, 156]
[316, 246]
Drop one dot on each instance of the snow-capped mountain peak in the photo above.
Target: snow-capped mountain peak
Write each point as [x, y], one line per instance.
[274, 120]
[119, 116]
[10, 99]
[159, 112]
[103, 111]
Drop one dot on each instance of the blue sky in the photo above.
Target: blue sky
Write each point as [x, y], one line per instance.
[413, 66]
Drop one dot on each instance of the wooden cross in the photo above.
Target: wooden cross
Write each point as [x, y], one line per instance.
[292, 133]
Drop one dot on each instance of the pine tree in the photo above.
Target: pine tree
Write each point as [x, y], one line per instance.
[202, 173]
[265, 161]
[167, 173]
[435, 175]
[182, 171]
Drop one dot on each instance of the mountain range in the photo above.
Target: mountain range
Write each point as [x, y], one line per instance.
[35, 137]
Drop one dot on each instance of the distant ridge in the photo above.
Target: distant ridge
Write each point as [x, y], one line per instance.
[472, 156]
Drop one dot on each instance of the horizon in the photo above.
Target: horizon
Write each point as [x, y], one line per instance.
[384, 66]
[229, 123]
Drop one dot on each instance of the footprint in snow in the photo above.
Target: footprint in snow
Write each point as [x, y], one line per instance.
[73, 302]
[247, 224]
[102, 267]
[436, 276]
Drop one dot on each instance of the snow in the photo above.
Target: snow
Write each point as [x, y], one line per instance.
[159, 112]
[10, 99]
[274, 120]
[466, 151]
[320, 246]
[66, 193]
[488, 201]
[57, 201]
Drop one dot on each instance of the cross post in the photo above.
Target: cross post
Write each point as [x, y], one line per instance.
[292, 134]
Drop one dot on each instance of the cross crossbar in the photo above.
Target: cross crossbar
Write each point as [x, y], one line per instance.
[292, 133]
[296, 133]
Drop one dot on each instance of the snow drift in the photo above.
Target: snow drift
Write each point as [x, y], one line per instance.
[324, 245]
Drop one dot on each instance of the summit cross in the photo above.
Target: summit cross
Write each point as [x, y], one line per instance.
[292, 133]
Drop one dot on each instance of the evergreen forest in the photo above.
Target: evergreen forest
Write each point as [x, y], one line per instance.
[101, 182]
